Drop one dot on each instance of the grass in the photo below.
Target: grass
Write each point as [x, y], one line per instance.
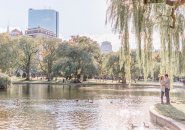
[59, 80]
[176, 110]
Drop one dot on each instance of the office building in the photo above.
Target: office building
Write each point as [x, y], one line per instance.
[106, 47]
[40, 32]
[44, 18]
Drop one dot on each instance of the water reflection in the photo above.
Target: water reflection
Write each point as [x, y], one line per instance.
[67, 107]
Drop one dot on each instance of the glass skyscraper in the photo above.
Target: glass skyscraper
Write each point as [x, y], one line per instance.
[44, 18]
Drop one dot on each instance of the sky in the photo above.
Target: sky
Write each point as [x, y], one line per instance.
[76, 17]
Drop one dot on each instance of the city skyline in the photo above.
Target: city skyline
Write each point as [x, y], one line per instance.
[80, 17]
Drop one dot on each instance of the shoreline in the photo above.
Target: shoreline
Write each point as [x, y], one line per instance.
[165, 121]
[94, 83]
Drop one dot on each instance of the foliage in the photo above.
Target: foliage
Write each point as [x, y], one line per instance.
[27, 49]
[119, 14]
[78, 57]
[111, 65]
[135, 71]
[168, 20]
[47, 55]
[6, 52]
[5, 80]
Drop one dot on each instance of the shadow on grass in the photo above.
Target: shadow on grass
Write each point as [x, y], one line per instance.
[171, 111]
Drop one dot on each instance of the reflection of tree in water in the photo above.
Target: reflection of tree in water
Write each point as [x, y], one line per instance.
[83, 119]
[26, 89]
[49, 91]
[69, 91]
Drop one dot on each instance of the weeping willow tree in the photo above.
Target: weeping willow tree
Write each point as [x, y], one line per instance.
[175, 4]
[182, 58]
[125, 57]
[168, 19]
[118, 13]
[171, 41]
[148, 43]
[182, 47]
[138, 14]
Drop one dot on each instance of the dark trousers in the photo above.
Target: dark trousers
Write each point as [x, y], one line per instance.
[162, 95]
[167, 94]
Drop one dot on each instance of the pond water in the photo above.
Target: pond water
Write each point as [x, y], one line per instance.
[57, 107]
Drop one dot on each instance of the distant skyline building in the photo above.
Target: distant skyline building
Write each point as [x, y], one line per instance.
[106, 47]
[15, 32]
[44, 18]
[40, 32]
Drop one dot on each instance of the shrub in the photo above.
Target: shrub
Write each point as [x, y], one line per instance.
[5, 80]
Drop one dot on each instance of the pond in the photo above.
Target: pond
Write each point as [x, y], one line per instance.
[58, 107]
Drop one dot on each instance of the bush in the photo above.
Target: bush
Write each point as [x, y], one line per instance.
[5, 81]
[24, 75]
[18, 74]
[75, 81]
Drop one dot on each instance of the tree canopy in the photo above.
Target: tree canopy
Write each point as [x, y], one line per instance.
[79, 57]
[144, 18]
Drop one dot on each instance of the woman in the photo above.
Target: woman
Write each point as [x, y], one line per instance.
[162, 84]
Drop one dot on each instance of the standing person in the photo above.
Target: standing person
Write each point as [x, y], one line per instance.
[162, 84]
[167, 89]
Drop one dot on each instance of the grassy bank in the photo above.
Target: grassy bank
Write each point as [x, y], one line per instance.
[16, 80]
[176, 110]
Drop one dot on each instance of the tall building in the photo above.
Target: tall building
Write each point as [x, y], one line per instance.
[106, 47]
[40, 32]
[44, 18]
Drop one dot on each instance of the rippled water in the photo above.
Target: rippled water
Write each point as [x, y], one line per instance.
[44, 107]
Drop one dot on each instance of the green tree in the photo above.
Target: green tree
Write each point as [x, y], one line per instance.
[7, 52]
[118, 13]
[47, 55]
[79, 57]
[27, 49]
[111, 64]
[166, 17]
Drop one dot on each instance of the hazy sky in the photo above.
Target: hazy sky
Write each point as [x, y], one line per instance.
[83, 17]
[77, 17]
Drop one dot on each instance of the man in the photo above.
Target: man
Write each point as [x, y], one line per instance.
[167, 89]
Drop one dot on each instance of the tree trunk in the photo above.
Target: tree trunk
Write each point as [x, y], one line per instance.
[84, 77]
[28, 68]
[123, 78]
[50, 63]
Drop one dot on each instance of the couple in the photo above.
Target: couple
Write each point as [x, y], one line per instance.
[165, 88]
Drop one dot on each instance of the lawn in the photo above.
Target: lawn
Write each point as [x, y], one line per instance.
[176, 110]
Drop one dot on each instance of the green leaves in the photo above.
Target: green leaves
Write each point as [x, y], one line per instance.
[27, 49]
[7, 52]
[79, 56]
